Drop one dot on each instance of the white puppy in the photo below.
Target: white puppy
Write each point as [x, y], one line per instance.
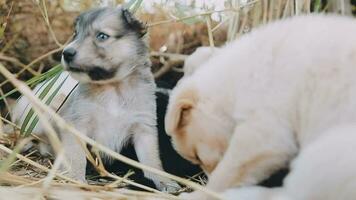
[249, 110]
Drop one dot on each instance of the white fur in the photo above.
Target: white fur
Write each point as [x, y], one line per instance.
[269, 95]
[324, 170]
[197, 58]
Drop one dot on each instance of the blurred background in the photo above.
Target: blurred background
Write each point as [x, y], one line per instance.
[33, 32]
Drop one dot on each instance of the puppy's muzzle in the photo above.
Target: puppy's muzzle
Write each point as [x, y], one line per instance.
[69, 54]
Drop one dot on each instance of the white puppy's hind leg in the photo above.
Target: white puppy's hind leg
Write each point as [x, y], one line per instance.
[254, 193]
[146, 146]
[325, 169]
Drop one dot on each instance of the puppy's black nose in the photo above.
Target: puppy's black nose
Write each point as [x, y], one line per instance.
[68, 54]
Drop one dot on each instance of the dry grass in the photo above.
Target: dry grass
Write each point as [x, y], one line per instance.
[31, 176]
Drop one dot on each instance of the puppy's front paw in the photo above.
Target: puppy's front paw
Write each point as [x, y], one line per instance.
[166, 185]
[76, 174]
[170, 186]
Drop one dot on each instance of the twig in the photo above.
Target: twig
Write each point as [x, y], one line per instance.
[167, 66]
[210, 32]
[46, 19]
[4, 25]
[6, 102]
[171, 56]
[39, 166]
[9, 43]
[41, 58]
[220, 24]
[17, 62]
[34, 62]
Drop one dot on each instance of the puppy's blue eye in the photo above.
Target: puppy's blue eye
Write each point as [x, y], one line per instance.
[102, 36]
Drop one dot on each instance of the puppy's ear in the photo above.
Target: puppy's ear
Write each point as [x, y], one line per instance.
[179, 113]
[133, 23]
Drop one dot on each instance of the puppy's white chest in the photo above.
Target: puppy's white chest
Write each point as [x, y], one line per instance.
[111, 104]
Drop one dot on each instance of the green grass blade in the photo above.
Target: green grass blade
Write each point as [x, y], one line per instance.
[317, 6]
[37, 79]
[133, 5]
[6, 164]
[136, 6]
[49, 100]
[129, 4]
[30, 114]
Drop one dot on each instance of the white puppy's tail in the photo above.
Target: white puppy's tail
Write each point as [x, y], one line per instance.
[255, 193]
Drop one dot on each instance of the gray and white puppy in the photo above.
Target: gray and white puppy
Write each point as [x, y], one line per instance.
[114, 101]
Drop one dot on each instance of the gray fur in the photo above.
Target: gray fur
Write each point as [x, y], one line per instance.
[125, 48]
[115, 98]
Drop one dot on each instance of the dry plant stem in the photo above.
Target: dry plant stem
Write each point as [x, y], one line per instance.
[265, 11]
[39, 166]
[36, 103]
[210, 32]
[168, 65]
[137, 185]
[44, 56]
[116, 183]
[4, 25]
[6, 103]
[171, 56]
[18, 128]
[279, 8]
[10, 43]
[41, 58]
[270, 10]
[17, 62]
[50, 176]
[286, 9]
[234, 22]
[9, 122]
[7, 163]
[46, 19]
[30, 184]
[219, 25]
[13, 179]
[308, 4]
[60, 192]
[26, 156]
[1, 128]
[34, 62]
[102, 171]
[50, 132]
[243, 24]
[52, 173]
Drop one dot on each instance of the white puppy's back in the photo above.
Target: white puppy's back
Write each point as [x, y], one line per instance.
[281, 71]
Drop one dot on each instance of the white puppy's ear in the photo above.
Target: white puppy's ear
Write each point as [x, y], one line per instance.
[179, 111]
